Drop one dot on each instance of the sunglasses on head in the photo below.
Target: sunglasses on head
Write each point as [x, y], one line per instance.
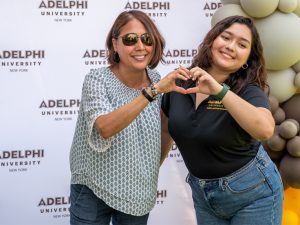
[132, 38]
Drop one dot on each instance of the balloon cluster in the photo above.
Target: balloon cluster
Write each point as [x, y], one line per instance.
[278, 24]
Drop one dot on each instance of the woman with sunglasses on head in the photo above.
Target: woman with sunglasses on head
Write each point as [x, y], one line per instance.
[116, 149]
[218, 127]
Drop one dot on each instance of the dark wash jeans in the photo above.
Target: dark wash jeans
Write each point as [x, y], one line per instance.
[253, 195]
[87, 209]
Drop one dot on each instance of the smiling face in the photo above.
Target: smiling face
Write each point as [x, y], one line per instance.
[137, 56]
[231, 49]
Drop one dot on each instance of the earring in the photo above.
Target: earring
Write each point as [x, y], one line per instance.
[245, 66]
[116, 57]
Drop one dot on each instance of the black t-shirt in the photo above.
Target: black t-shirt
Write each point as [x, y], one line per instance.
[211, 142]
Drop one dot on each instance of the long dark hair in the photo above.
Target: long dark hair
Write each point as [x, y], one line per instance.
[255, 73]
[122, 20]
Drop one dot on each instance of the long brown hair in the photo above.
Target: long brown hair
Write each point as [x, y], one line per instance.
[255, 73]
[122, 20]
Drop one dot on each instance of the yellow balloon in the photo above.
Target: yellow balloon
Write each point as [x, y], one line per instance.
[292, 200]
[289, 218]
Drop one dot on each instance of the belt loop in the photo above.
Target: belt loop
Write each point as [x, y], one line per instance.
[223, 184]
[259, 152]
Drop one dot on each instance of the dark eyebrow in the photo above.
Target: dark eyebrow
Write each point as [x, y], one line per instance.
[243, 39]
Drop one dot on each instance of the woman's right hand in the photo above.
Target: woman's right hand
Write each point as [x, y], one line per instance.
[167, 84]
[204, 83]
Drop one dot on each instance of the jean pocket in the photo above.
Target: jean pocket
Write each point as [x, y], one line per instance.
[246, 182]
[83, 203]
[273, 177]
[76, 190]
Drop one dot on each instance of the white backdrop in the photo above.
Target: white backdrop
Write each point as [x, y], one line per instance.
[46, 49]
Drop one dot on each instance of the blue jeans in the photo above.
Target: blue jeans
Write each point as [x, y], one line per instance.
[253, 195]
[87, 208]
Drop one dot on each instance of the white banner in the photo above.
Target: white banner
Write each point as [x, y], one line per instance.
[46, 49]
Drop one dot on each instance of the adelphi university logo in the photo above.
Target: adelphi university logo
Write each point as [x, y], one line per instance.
[155, 9]
[63, 10]
[179, 56]
[56, 206]
[21, 160]
[175, 154]
[161, 195]
[60, 109]
[95, 57]
[210, 7]
[215, 105]
[21, 60]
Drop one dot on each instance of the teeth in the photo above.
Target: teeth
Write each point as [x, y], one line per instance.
[139, 57]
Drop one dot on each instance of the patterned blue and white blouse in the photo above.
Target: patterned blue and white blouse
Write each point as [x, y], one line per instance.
[121, 170]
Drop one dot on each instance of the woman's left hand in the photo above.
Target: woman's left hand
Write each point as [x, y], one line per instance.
[168, 83]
